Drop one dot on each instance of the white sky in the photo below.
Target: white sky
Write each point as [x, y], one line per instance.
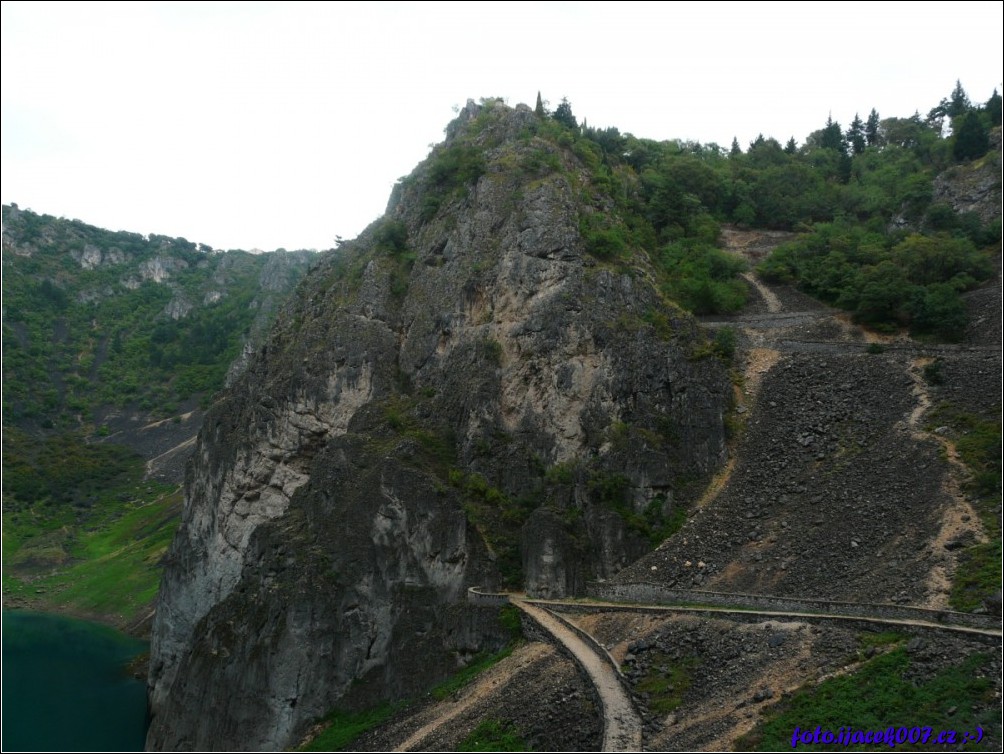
[260, 125]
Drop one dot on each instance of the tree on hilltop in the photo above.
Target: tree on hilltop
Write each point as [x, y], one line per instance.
[832, 137]
[971, 139]
[563, 114]
[958, 103]
[993, 109]
[872, 128]
[856, 135]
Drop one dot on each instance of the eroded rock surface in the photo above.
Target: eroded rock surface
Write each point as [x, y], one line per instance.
[462, 396]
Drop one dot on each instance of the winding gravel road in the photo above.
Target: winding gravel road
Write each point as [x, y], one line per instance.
[621, 723]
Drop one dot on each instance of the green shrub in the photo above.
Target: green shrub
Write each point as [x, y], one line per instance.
[881, 694]
[602, 240]
[701, 278]
[392, 236]
[725, 343]
[494, 735]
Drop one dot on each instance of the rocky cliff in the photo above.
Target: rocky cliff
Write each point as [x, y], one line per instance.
[973, 187]
[474, 391]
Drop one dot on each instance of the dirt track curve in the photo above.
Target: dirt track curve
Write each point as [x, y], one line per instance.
[621, 724]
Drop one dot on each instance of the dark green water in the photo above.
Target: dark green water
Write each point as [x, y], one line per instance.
[65, 687]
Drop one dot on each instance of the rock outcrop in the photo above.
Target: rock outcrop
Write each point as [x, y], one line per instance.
[462, 396]
[972, 187]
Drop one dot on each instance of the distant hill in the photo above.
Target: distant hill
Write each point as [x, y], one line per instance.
[97, 323]
[113, 343]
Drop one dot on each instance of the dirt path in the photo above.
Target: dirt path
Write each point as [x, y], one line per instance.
[960, 520]
[836, 484]
[153, 464]
[621, 724]
[486, 683]
[770, 298]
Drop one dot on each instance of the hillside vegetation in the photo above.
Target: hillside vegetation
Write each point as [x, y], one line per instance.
[105, 332]
[99, 323]
[95, 319]
[886, 231]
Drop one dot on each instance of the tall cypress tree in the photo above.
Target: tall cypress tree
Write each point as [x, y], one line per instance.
[539, 109]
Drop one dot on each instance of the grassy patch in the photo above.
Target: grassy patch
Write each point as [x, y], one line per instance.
[880, 695]
[881, 639]
[108, 565]
[435, 446]
[978, 575]
[979, 445]
[509, 617]
[978, 442]
[345, 727]
[82, 529]
[666, 682]
[478, 665]
[494, 735]
[722, 347]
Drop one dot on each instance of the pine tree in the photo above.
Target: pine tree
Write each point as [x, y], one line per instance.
[958, 103]
[539, 109]
[736, 150]
[791, 147]
[856, 135]
[971, 138]
[993, 109]
[832, 137]
[872, 128]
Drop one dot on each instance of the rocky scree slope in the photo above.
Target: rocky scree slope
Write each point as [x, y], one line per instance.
[461, 396]
[844, 486]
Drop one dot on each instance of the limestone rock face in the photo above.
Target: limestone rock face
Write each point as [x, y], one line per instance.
[461, 396]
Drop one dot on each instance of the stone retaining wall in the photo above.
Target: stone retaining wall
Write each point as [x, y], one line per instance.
[657, 594]
[477, 596]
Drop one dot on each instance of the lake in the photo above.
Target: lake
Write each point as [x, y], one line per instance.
[65, 686]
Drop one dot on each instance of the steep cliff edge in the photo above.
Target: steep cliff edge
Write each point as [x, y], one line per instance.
[475, 391]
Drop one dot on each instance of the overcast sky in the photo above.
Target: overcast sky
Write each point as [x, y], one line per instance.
[260, 125]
